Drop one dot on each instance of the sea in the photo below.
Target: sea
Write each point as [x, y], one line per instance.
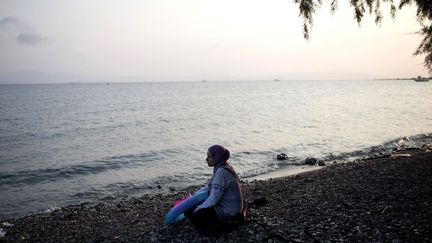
[63, 144]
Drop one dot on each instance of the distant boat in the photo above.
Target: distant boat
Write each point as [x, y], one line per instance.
[421, 79]
[276, 80]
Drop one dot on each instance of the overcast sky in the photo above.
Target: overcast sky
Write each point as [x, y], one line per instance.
[171, 40]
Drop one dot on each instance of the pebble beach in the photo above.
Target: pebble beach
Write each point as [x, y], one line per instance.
[381, 199]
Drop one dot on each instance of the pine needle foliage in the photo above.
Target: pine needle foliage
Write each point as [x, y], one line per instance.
[373, 7]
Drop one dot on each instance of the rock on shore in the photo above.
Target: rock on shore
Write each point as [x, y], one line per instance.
[386, 199]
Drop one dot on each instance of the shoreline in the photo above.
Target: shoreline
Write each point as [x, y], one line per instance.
[387, 198]
[285, 172]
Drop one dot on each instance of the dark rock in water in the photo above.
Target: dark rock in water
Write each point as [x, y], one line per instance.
[282, 156]
[159, 186]
[311, 161]
[426, 147]
[321, 163]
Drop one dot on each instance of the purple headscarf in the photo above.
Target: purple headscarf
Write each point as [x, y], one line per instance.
[221, 155]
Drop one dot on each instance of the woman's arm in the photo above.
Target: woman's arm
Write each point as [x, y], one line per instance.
[215, 196]
[205, 188]
[218, 185]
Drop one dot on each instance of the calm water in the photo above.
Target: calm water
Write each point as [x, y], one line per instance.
[72, 143]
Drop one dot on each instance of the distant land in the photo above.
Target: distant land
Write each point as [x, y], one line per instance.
[35, 77]
[418, 78]
[393, 79]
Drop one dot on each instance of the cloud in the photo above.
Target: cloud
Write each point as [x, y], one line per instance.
[13, 23]
[25, 33]
[29, 38]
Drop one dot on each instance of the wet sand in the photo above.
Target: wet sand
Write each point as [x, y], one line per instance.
[386, 199]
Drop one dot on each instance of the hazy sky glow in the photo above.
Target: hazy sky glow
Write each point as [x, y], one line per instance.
[169, 40]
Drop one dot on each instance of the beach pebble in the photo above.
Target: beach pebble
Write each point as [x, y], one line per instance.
[260, 201]
[7, 224]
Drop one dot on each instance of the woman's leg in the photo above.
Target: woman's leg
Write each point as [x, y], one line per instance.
[188, 213]
[206, 220]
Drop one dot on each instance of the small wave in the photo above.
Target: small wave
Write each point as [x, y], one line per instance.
[27, 138]
[252, 152]
[90, 168]
[11, 119]
[160, 184]
[51, 209]
[415, 141]
[273, 166]
[260, 171]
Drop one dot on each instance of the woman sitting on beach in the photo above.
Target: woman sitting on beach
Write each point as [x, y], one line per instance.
[224, 206]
